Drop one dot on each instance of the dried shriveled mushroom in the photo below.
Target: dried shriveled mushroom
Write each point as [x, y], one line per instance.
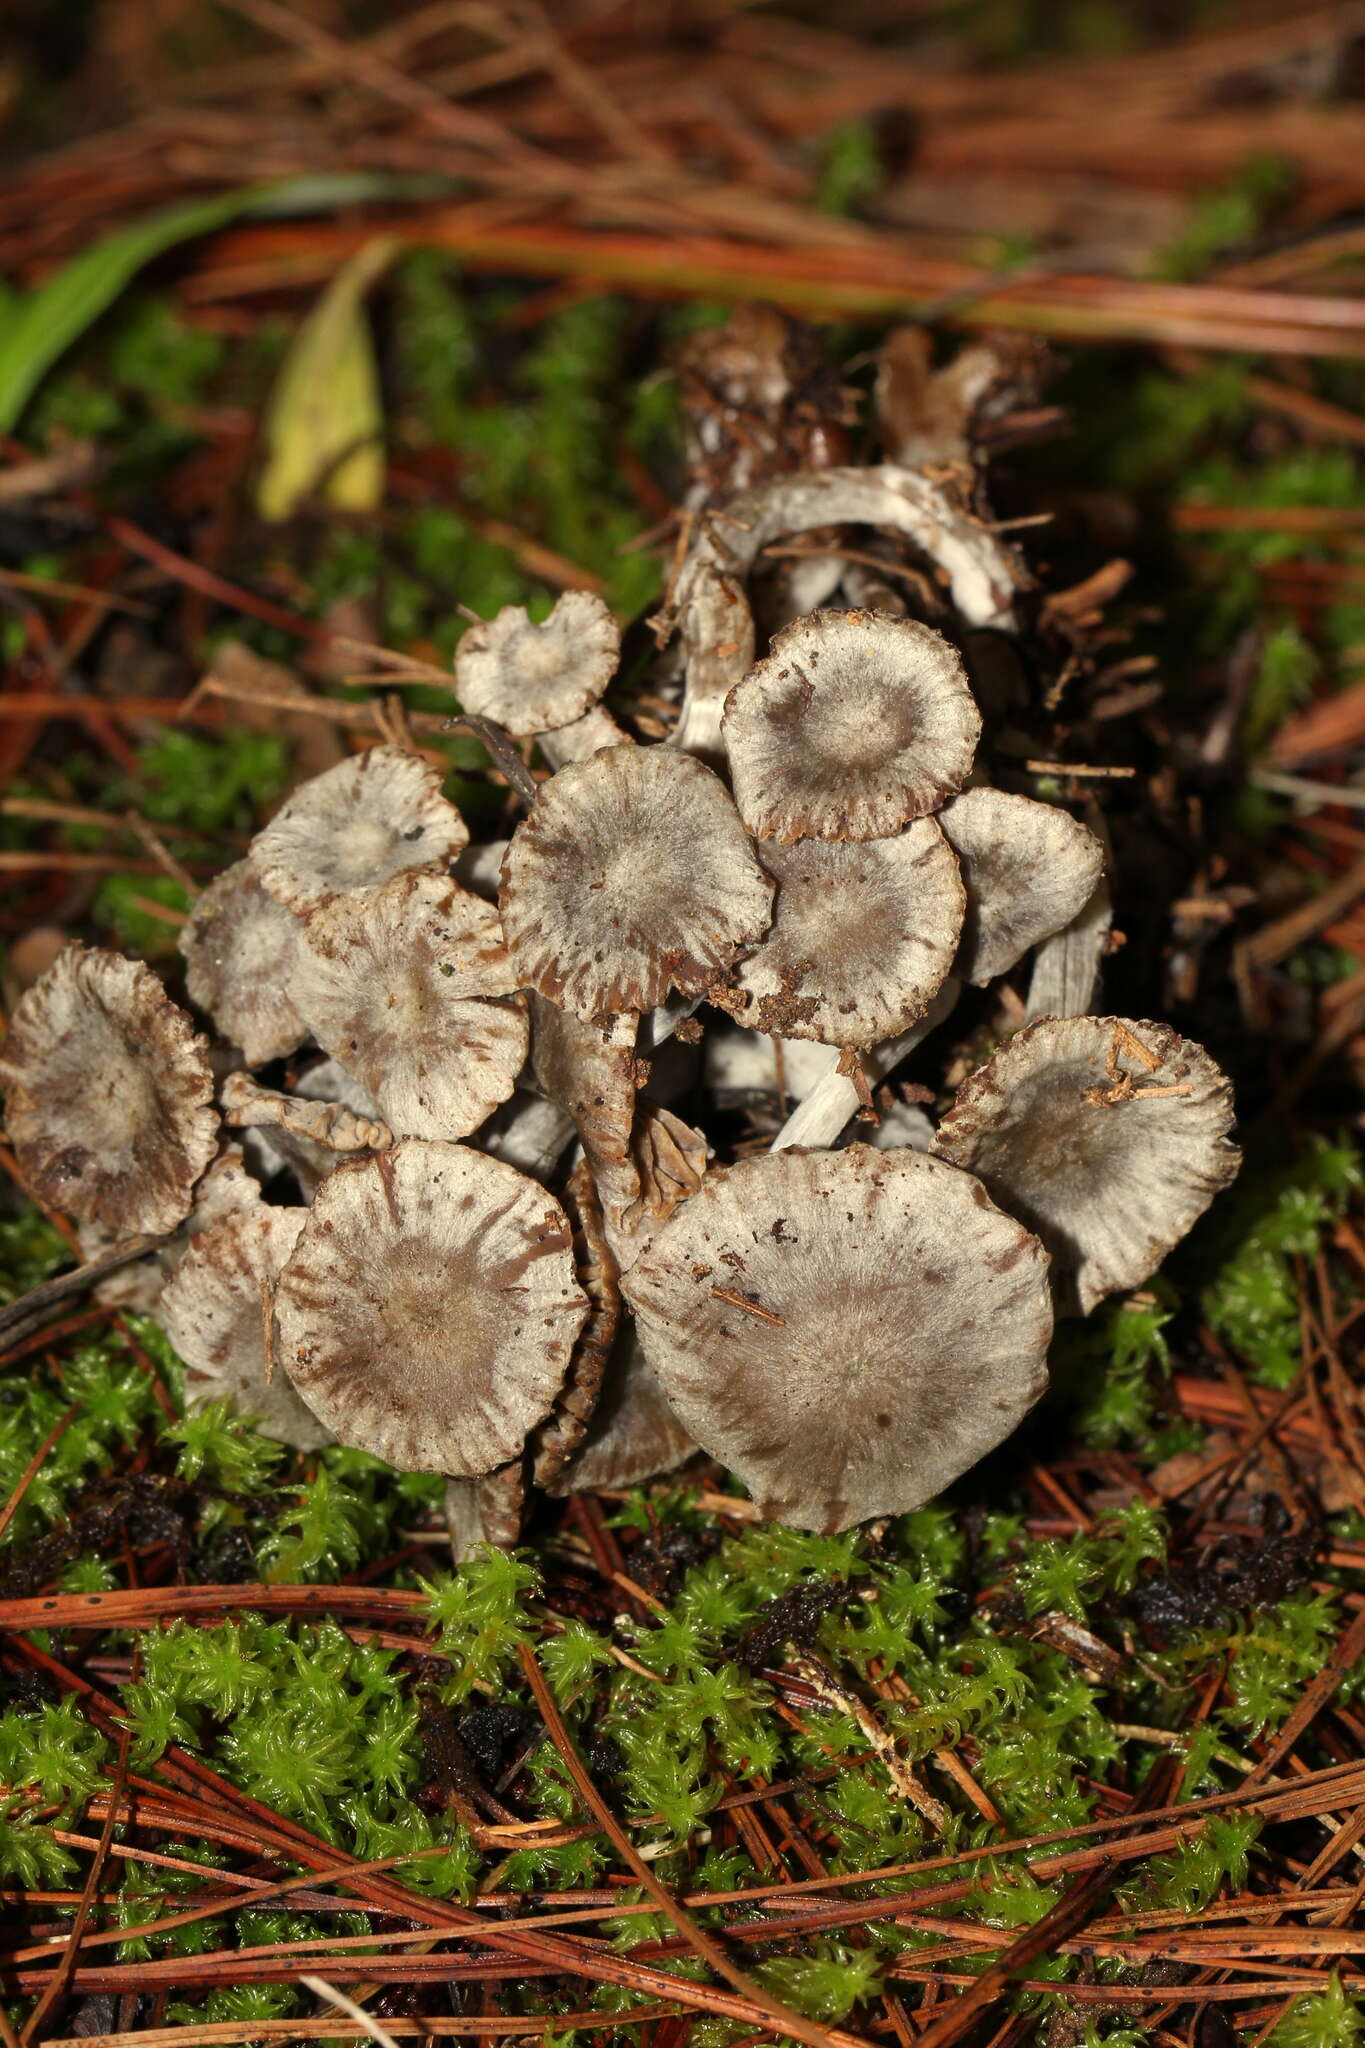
[848, 1331]
[852, 724]
[633, 1435]
[402, 985]
[109, 1094]
[861, 941]
[353, 827]
[563, 1430]
[1028, 868]
[318, 1120]
[631, 875]
[592, 1072]
[545, 681]
[216, 1310]
[429, 1310]
[240, 949]
[983, 575]
[1108, 1137]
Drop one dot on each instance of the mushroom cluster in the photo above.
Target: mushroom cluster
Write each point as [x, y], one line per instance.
[464, 1178]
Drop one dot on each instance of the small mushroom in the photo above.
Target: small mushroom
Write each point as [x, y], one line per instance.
[216, 1310]
[1108, 1137]
[318, 1120]
[429, 1310]
[1028, 869]
[399, 983]
[367, 819]
[487, 1510]
[847, 1331]
[851, 725]
[632, 874]
[109, 1094]
[240, 949]
[563, 1430]
[545, 681]
[862, 938]
[633, 1435]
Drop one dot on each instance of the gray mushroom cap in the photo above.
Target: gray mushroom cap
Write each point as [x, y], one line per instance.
[429, 1310]
[1028, 869]
[216, 1309]
[364, 820]
[848, 1331]
[536, 678]
[225, 1187]
[108, 1093]
[862, 939]
[240, 948]
[852, 724]
[398, 984]
[1106, 1135]
[631, 875]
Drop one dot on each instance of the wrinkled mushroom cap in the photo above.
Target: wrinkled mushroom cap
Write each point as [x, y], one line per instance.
[632, 875]
[429, 1309]
[240, 948]
[395, 983]
[1107, 1136]
[848, 1331]
[1028, 869]
[109, 1094]
[367, 819]
[852, 724]
[861, 941]
[563, 1430]
[215, 1309]
[537, 678]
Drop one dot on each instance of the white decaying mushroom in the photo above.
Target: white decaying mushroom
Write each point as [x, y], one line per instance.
[983, 576]
[848, 1331]
[429, 1310]
[631, 875]
[225, 1187]
[1028, 868]
[862, 939]
[404, 985]
[1107, 1136]
[240, 948]
[216, 1310]
[852, 724]
[367, 819]
[109, 1094]
[544, 681]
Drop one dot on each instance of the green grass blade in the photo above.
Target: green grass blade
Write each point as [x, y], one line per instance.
[42, 325]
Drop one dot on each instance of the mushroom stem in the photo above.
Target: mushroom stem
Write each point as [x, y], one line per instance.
[709, 593]
[331, 1124]
[1065, 981]
[817, 1121]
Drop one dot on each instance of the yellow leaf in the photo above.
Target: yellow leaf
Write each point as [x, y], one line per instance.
[324, 423]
